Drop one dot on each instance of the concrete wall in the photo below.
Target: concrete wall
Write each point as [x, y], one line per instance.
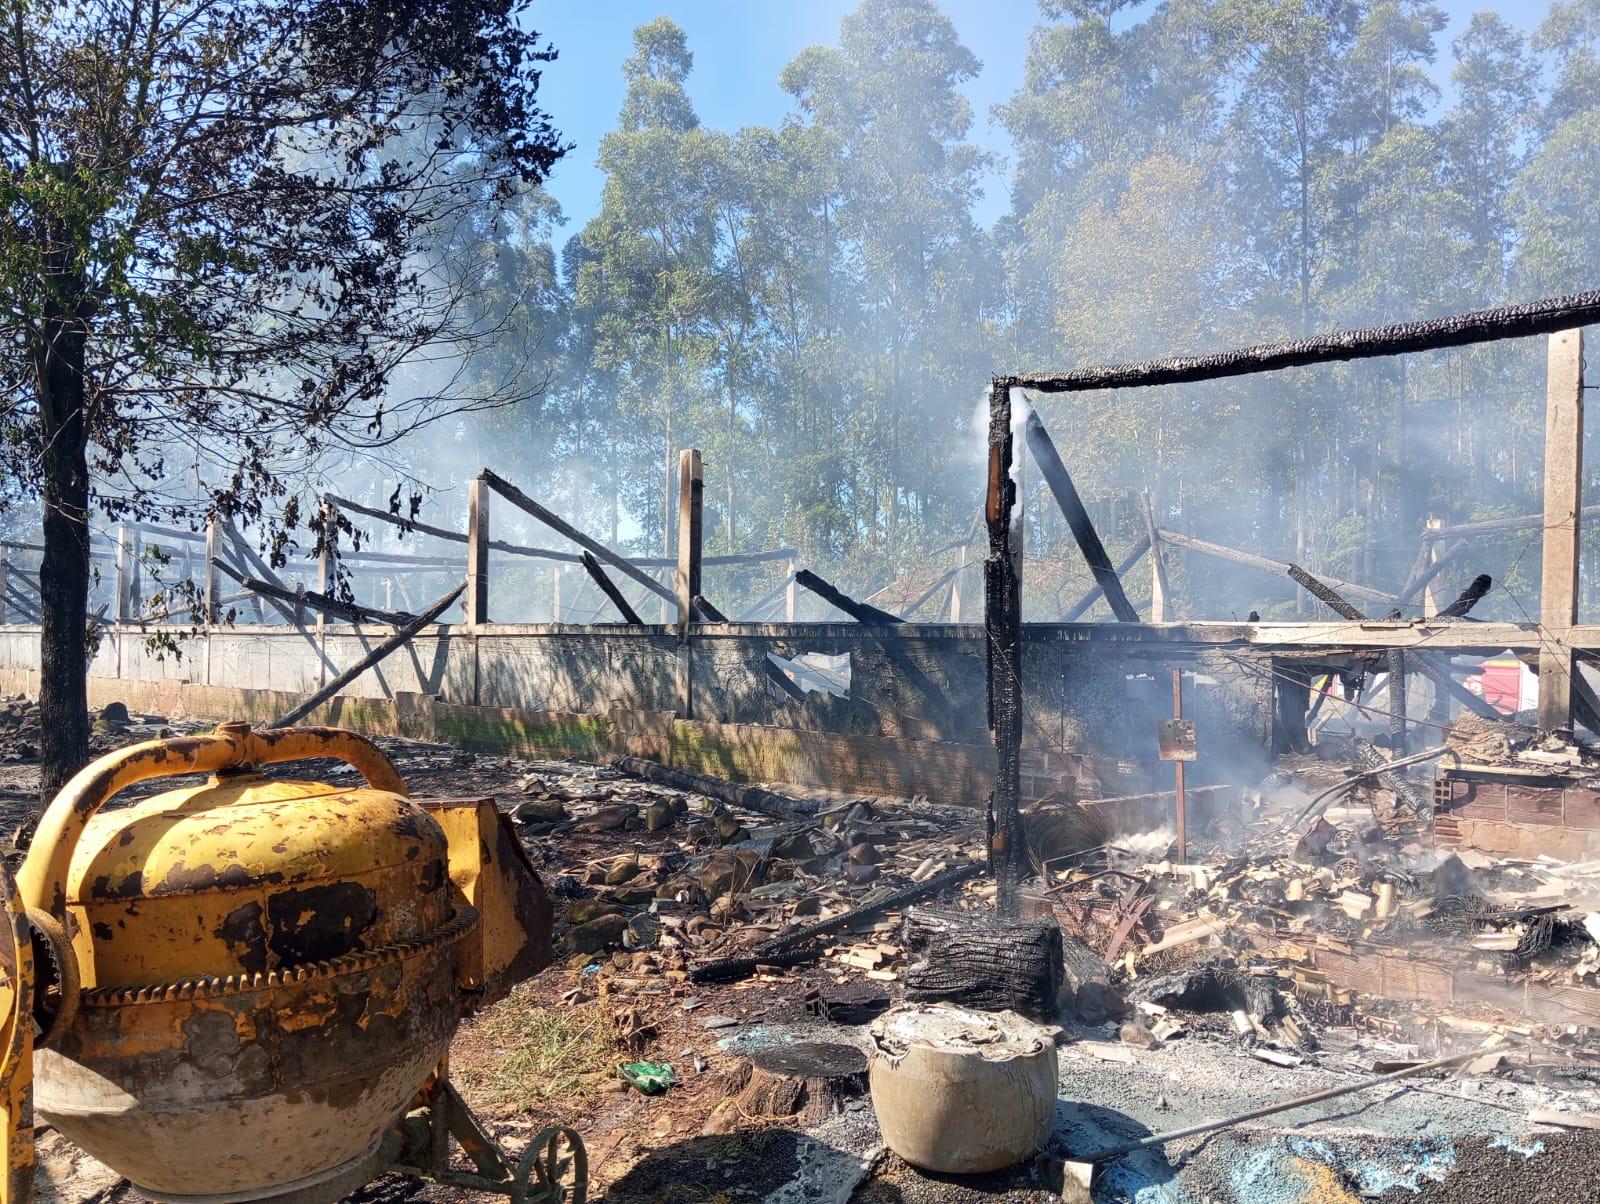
[1091, 703]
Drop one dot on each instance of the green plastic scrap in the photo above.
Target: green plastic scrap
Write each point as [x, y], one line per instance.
[650, 1078]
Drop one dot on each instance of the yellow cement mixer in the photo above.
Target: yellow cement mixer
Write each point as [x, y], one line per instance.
[245, 990]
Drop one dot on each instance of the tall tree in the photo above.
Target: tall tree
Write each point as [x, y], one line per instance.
[647, 278]
[888, 97]
[215, 226]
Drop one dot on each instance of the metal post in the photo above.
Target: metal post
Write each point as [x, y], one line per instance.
[1563, 499]
[1002, 595]
[477, 554]
[1180, 804]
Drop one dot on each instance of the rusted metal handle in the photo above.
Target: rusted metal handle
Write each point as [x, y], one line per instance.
[42, 880]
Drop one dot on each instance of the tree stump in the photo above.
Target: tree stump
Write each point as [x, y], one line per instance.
[983, 962]
[808, 1080]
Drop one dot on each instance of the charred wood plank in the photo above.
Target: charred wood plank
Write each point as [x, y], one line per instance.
[1073, 613]
[352, 611]
[800, 944]
[1066, 495]
[861, 612]
[609, 588]
[396, 641]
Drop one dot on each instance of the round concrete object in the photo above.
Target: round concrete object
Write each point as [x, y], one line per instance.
[962, 1092]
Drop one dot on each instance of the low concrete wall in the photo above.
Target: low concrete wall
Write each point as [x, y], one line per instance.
[915, 721]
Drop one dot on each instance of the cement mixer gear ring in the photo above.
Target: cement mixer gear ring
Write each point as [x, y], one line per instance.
[239, 984]
[51, 940]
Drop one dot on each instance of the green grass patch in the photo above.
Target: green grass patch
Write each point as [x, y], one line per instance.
[523, 1056]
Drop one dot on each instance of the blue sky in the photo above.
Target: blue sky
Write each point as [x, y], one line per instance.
[741, 46]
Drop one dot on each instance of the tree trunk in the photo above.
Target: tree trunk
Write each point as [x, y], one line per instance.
[64, 574]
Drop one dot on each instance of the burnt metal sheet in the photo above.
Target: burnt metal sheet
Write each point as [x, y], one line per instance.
[1175, 740]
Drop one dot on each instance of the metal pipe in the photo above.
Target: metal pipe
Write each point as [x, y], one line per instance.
[1346, 783]
[1300, 1101]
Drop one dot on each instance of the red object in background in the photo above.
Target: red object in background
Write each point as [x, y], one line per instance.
[1499, 683]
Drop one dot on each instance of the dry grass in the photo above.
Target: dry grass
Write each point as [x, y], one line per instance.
[523, 1056]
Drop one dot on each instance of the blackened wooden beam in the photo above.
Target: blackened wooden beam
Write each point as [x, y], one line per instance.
[1457, 330]
[609, 588]
[1434, 669]
[550, 519]
[1324, 594]
[398, 640]
[1002, 608]
[707, 612]
[350, 611]
[1078, 608]
[1469, 597]
[1066, 494]
[861, 612]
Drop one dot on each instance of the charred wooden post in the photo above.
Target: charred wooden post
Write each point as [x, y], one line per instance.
[1563, 487]
[706, 611]
[686, 578]
[861, 612]
[691, 499]
[477, 554]
[609, 588]
[1398, 715]
[1002, 598]
[979, 961]
[1292, 702]
[1066, 495]
[126, 609]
